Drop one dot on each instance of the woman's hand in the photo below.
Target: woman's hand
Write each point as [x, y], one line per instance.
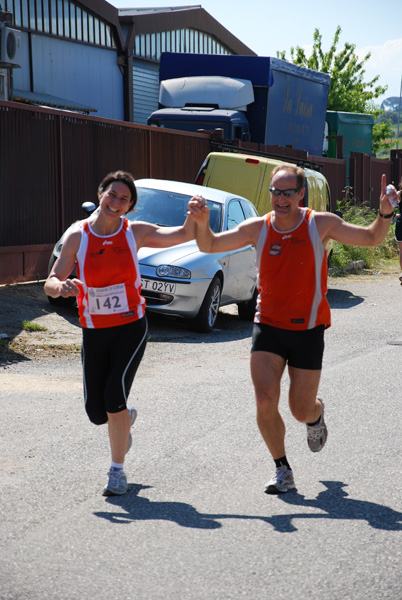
[70, 287]
[198, 209]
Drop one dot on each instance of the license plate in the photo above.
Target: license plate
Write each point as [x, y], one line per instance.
[164, 287]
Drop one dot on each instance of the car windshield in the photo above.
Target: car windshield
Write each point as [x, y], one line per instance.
[169, 209]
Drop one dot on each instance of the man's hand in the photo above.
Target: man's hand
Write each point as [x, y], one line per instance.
[198, 210]
[387, 193]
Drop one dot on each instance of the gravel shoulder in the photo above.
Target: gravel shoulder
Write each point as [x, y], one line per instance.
[61, 331]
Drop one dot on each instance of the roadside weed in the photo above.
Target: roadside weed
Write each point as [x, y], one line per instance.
[29, 326]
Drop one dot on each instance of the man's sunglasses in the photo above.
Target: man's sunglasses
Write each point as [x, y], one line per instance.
[286, 193]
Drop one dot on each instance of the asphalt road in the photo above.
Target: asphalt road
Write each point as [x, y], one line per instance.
[195, 524]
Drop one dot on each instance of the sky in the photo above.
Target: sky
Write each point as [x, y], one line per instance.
[267, 27]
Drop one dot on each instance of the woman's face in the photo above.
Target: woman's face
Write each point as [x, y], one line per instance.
[116, 199]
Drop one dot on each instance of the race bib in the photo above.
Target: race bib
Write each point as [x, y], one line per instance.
[108, 300]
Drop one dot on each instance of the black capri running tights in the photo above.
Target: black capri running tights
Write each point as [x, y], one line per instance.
[110, 359]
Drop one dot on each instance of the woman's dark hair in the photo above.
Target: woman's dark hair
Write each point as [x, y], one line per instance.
[123, 177]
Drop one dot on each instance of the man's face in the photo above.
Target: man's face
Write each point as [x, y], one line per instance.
[285, 205]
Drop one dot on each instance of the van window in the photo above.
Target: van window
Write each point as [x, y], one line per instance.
[235, 214]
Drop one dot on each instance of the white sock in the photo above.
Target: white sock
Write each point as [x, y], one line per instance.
[115, 465]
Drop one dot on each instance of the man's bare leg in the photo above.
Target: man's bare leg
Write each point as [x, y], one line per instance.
[266, 373]
[303, 401]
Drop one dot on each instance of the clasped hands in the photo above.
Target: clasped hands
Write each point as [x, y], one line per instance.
[198, 209]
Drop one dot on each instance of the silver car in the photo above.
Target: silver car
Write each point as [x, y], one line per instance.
[181, 280]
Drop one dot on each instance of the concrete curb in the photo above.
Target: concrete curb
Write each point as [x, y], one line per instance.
[355, 265]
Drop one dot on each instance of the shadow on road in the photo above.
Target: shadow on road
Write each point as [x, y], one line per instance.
[142, 509]
[343, 299]
[175, 330]
[333, 503]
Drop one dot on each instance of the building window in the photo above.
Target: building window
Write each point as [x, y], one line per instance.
[73, 21]
[62, 18]
[108, 36]
[84, 25]
[39, 15]
[78, 21]
[179, 40]
[53, 17]
[16, 10]
[153, 46]
[66, 18]
[148, 45]
[158, 45]
[24, 20]
[97, 32]
[91, 37]
[102, 33]
[32, 22]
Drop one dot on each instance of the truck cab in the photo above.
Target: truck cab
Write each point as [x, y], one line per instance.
[233, 123]
[205, 103]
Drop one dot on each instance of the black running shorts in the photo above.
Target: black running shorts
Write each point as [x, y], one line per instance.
[300, 349]
[398, 228]
[110, 359]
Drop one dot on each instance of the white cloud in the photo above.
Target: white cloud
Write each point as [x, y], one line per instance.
[385, 61]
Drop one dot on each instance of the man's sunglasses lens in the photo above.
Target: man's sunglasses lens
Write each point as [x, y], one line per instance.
[286, 193]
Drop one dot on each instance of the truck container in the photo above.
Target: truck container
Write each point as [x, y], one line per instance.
[356, 131]
[259, 99]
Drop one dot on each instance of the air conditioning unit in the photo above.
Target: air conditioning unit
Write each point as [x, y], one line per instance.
[10, 47]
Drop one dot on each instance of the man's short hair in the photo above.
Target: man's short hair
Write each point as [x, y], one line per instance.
[293, 170]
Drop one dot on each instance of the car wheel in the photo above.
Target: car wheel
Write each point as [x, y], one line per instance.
[59, 301]
[246, 310]
[205, 321]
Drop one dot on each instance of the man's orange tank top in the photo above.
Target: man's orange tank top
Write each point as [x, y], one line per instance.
[108, 268]
[292, 276]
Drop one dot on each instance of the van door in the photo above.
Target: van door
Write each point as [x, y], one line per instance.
[236, 174]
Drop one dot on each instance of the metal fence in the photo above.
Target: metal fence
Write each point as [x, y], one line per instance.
[52, 161]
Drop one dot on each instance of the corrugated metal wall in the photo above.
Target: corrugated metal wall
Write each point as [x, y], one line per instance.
[145, 89]
[81, 73]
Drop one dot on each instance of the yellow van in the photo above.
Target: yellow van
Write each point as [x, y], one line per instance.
[249, 176]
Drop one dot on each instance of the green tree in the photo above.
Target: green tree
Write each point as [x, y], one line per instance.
[348, 92]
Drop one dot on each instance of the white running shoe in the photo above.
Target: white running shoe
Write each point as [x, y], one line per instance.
[317, 434]
[281, 482]
[117, 483]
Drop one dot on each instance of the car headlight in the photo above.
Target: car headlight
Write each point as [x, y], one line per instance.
[169, 271]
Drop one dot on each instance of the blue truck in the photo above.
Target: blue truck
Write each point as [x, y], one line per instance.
[257, 99]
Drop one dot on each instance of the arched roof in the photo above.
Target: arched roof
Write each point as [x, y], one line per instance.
[153, 20]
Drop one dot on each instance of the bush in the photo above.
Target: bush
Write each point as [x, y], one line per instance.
[371, 256]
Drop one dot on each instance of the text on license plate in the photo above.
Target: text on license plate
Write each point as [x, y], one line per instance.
[165, 287]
